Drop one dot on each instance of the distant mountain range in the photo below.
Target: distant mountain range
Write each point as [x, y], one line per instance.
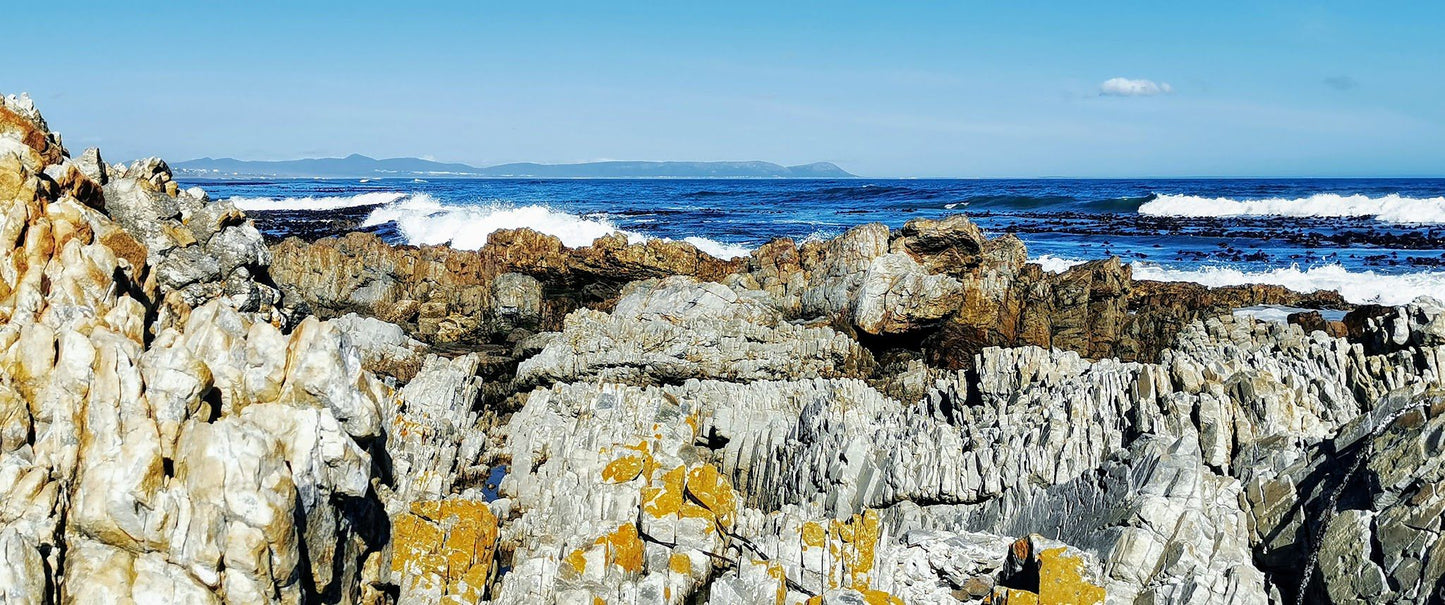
[360, 166]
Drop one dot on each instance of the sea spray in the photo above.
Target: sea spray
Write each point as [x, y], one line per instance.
[1388, 208]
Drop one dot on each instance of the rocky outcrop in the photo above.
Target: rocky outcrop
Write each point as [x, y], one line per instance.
[1142, 467]
[910, 416]
[944, 290]
[168, 435]
[521, 280]
[676, 329]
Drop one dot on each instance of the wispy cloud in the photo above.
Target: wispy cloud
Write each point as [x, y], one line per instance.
[1125, 87]
[1341, 83]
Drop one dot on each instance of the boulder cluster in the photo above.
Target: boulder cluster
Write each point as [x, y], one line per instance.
[893, 416]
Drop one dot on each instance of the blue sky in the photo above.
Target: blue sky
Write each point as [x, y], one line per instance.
[883, 89]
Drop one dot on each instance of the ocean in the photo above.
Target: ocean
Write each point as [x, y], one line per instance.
[1374, 240]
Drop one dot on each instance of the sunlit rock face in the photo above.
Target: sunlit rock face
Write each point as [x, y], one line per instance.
[907, 416]
[168, 435]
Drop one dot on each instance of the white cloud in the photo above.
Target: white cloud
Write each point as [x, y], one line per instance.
[1125, 87]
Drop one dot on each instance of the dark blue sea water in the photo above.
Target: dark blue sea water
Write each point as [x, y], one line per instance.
[1381, 239]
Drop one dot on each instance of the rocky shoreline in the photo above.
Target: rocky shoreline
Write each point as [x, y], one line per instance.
[194, 415]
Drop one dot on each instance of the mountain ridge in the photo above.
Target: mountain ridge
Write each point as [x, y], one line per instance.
[360, 166]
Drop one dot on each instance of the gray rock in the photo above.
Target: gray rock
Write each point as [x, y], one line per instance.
[678, 329]
[92, 166]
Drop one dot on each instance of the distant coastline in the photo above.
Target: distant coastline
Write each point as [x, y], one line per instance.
[360, 166]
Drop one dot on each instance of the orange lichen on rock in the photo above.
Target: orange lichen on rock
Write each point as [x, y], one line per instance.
[713, 491]
[878, 597]
[779, 574]
[870, 596]
[624, 548]
[673, 496]
[666, 499]
[30, 134]
[578, 561]
[680, 563]
[858, 541]
[814, 535]
[623, 469]
[445, 546]
[1061, 579]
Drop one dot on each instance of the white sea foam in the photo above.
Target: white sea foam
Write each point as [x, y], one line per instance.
[1390, 208]
[719, 249]
[1358, 287]
[271, 204]
[1056, 264]
[423, 220]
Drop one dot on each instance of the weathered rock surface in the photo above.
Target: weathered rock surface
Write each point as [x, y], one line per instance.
[678, 329]
[520, 280]
[917, 416]
[944, 289]
[164, 440]
[1142, 466]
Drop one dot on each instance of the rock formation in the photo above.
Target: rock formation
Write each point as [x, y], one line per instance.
[520, 280]
[909, 416]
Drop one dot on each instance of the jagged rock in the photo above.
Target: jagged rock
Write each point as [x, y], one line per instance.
[443, 551]
[167, 434]
[188, 457]
[384, 347]
[897, 296]
[520, 279]
[680, 328]
[92, 166]
[613, 504]
[432, 435]
[1312, 321]
[21, 125]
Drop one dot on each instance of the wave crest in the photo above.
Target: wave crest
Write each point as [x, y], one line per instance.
[1358, 287]
[422, 220]
[1391, 208]
[271, 204]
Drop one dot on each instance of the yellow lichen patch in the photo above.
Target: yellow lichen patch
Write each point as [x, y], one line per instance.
[878, 597]
[578, 561]
[666, 499]
[713, 491]
[813, 535]
[776, 571]
[623, 469]
[1061, 579]
[445, 545]
[624, 548]
[859, 538]
[680, 564]
[649, 464]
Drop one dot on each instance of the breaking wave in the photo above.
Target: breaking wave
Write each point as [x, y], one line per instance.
[1359, 287]
[270, 204]
[422, 220]
[1390, 208]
